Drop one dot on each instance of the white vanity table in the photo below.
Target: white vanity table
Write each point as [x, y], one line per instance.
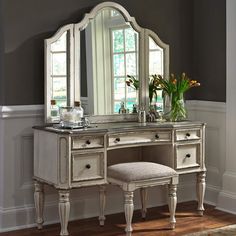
[71, 159]
[94, 57]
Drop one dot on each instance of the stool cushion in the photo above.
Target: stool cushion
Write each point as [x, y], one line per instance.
[135, 171]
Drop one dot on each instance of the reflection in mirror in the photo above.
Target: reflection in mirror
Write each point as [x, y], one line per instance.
[109, 52]
[156, 59]
[59, 55]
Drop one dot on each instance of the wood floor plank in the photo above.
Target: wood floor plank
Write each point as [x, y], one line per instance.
[156, 223]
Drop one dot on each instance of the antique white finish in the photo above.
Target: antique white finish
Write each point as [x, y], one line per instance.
[129, 186]
[59, 160]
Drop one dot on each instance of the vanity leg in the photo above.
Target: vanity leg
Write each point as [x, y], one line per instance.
[64, 210]
[201, 186]
[102, 199]
[39, 203]
[129, 209]
[172, 201]
[143, 195]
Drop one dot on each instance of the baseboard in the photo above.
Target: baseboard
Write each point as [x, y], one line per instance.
[227, 202]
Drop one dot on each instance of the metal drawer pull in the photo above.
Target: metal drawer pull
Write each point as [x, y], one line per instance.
[188, 134]
[88, 166]
[88, 142]
[117, 140]
[188, 155]
[157, 136]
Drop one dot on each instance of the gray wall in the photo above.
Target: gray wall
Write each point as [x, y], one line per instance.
[28, 22]
[209, 52]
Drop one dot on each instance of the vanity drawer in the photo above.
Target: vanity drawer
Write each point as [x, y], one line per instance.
[87, 166]
[188, 156]
[187, 134]
[82, 142]
[131, 138]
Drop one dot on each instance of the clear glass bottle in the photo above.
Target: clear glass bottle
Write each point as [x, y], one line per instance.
[78, 112]
[54, 109]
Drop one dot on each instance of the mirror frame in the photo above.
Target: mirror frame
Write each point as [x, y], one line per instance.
[74, 63]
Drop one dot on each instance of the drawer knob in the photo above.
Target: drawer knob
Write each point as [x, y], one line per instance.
[88, 142]
[157, 136]
[188, 134]
[117, 140]
[188, 155]
[88, 166]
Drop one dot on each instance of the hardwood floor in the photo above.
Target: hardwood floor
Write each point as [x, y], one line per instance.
[155, 224]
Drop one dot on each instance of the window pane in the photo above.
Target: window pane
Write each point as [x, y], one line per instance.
[130, 39]
[119, 66]
[119, 88]
[155, 63]
[60, 44]
[131, 64]
[118, 40]
[59, 88]
[59, 64]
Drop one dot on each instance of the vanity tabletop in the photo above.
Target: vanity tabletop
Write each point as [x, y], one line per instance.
[118, 127]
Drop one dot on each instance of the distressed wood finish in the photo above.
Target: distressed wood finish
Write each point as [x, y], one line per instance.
[77, 164]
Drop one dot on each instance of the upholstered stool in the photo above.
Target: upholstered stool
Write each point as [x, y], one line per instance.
[135, 175]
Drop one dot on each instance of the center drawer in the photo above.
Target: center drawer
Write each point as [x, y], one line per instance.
[131, 138]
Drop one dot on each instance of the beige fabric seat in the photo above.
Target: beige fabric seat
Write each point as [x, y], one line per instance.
[140, 175]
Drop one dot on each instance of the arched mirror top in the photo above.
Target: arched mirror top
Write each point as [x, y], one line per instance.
[92, 62]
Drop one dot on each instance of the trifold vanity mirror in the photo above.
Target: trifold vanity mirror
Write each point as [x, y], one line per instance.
[90, 61]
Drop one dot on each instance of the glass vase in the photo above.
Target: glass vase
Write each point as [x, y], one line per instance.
[178, 111]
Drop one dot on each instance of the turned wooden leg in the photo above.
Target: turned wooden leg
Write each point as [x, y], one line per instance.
[129, 209]
[143, 195]
[102, 198]
[201, 187]
[39, 203]
[64, 210]
[172, 203]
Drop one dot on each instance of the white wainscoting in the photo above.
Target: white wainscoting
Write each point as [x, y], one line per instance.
[16, 169]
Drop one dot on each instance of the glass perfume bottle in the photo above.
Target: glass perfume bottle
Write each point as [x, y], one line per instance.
[78, 112]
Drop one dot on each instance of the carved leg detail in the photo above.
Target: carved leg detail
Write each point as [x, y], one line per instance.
[201, 187]
[102, 198]
[64, 210]
[129, 209]
[39, 203]
[172, 203]
[143, 194]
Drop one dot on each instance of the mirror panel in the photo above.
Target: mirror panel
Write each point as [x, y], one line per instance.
[156, 66]
[90, 62]
[59, 60]
[109, 52]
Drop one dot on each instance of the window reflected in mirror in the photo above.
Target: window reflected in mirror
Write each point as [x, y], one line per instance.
[109, 52]
[156, 67]
[58, 53]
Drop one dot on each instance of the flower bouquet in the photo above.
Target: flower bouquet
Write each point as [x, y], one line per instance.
[175, 88]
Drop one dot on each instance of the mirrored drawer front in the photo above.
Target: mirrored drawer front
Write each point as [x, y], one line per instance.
[87, 142]
[187, 156]
[186, 134]
[88, 166]
[138, 137]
